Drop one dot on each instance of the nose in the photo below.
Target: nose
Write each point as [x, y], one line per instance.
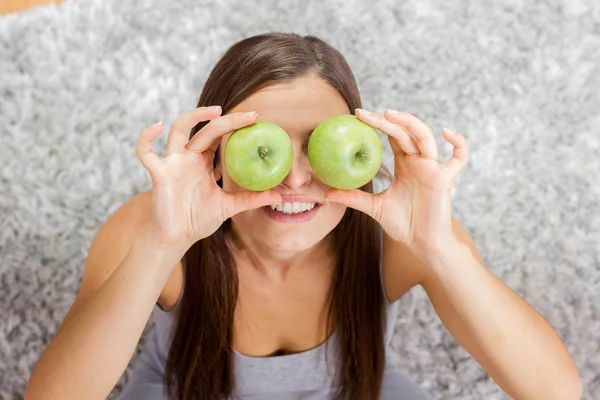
[301, 173]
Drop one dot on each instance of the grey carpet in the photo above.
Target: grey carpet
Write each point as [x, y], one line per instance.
[519, 79]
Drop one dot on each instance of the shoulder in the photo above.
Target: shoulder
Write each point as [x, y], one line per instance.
[114, 237]
[402, 270]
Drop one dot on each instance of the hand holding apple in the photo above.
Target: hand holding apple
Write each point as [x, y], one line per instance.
[415, 209]
[188, 205]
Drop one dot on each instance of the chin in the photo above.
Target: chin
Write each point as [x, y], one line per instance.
[292, 243]
[286, 236]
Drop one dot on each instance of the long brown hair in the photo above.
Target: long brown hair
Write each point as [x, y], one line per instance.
[200, 360]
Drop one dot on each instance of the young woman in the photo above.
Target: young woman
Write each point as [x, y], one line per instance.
[254, 303]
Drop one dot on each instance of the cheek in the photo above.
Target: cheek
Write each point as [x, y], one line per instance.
[330, 216]
[336, 212]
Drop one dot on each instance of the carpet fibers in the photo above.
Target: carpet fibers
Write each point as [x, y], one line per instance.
[519, 79]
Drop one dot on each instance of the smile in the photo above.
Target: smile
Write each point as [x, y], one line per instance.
[292, 211]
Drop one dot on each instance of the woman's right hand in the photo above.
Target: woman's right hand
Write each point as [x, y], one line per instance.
[188, 205]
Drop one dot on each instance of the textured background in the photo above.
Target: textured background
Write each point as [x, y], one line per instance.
[519, 79]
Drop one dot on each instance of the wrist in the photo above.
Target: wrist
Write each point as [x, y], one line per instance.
[169, 253]
[441, 252]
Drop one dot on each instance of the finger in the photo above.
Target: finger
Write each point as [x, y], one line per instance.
[402, 140]
[365, 202]
[143, 147]
[209, 137]
[235, 203]
[460, 154]
[180, 129]
[421, 132]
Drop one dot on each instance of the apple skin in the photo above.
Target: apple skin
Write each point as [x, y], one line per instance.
[345, 152]
[258, 157]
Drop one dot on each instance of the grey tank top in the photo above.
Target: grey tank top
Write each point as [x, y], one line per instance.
[306, 375]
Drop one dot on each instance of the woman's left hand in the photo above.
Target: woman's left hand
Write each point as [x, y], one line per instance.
[416, 207]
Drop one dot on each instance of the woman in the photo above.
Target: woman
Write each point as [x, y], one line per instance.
[254, 302]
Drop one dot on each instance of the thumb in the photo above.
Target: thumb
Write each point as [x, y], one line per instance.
[365, 202]
[235, 203]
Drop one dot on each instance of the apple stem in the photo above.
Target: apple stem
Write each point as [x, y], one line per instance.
[367, 157]
[262, 151]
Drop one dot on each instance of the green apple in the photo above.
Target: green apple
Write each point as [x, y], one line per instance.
[345, 152]
[258, 156]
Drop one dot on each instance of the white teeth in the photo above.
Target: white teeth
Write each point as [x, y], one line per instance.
[293, 208]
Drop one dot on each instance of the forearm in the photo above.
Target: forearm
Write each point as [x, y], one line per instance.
[528, 358]
[90, 352]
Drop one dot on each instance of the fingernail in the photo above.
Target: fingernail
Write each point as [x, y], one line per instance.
[156, 124]
[250, 114]
[449, 131]
[214, 108]
[362, 111]
[392, 111]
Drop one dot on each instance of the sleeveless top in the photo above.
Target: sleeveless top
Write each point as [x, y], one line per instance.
[306, 374]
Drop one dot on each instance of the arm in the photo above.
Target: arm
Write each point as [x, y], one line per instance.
[97, 338]
[514, 344]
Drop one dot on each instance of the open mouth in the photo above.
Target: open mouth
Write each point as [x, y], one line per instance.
[293, 208]
[293, 212]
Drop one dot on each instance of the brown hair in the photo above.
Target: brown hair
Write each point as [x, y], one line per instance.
[200, 364]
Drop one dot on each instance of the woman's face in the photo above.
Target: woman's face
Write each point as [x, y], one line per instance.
[297, 107]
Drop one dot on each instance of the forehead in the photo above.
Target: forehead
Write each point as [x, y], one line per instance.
[297, 106]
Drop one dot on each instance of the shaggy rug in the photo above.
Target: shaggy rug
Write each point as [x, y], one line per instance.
[519, 79]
